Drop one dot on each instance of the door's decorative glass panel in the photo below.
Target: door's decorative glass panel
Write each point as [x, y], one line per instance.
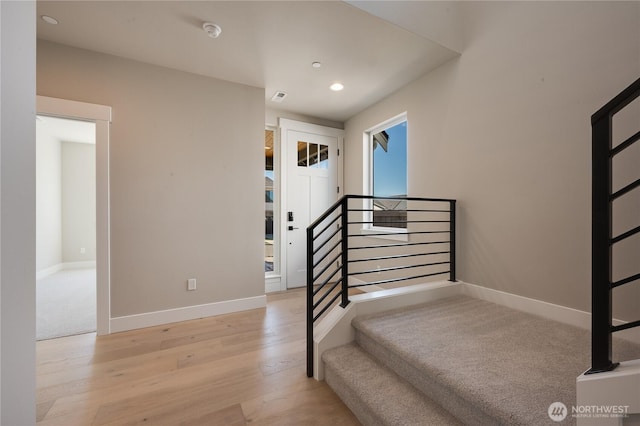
[313, 155]
[324, 157]
[302, 154]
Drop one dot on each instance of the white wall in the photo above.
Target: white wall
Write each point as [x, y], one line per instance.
[186, 180]
[505, 129]
[17, 212]
[78, 202]
[48, 199]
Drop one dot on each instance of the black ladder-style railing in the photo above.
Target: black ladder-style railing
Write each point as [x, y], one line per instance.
[603, 241]
[363, 241]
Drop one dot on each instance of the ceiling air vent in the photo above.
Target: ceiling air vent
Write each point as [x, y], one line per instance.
[279, 96]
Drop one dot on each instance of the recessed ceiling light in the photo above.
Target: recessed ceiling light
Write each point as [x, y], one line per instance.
[212, 30]
[316, 64]
[49, 19]
[336, 87]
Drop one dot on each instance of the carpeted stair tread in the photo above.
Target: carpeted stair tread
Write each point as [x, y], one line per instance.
[484, 362]
[376, 395]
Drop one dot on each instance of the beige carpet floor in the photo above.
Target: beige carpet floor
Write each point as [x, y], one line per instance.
[66, 303]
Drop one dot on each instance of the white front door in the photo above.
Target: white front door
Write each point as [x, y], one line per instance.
[312, 187]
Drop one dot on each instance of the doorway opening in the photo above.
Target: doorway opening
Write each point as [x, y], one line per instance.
[100, 117]
[65, 227]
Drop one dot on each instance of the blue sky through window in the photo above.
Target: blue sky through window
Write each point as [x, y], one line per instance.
[390, 167]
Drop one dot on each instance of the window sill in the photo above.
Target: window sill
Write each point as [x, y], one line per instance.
[395, 234]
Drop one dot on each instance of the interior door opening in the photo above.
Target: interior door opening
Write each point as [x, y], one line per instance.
[65, 227]
[99, 116]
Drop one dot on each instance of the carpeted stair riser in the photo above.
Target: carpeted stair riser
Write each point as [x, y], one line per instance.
[445, 396]
[376, 395]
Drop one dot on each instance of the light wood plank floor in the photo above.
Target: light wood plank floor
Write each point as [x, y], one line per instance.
[236, 369]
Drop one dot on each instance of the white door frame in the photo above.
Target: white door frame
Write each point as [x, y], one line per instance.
[101, 116]
[284, 126]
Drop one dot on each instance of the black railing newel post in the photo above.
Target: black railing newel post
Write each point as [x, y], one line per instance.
[601, 275]
[310, 302]
[452, 243]
[345, 251]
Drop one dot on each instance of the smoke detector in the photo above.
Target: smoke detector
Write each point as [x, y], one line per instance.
[212, 30]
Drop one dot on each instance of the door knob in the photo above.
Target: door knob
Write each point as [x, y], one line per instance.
[291, 228]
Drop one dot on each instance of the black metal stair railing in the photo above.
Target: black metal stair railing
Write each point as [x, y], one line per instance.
[603, 241]
[364, 240]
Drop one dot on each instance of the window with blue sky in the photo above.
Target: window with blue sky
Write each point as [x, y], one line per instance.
[389, 162]
[387, 172]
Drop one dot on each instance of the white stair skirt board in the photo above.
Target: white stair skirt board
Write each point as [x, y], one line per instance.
[547, 310]
[150, 319]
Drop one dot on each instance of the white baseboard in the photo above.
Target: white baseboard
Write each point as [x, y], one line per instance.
[79, 265]
[149, 319]
[272, 284]
[548, 310]
[48, 271]
[62, 266]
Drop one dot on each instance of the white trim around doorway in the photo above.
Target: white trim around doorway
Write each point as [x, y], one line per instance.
[101, 116]
[284, 125]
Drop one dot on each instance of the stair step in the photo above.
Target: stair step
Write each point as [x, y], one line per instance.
[376, 395]
[484, 363]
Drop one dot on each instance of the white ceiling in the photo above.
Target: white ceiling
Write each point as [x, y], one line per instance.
[265, 44]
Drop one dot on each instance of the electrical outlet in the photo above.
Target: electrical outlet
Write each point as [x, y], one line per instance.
[191, 284]
[83, 250]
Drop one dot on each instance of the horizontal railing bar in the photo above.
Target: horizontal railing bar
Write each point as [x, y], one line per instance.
[625, 235]
[399, 221]
[399, 279]
[624, 145]
[324, 296]
[376, 234]
[327, 266]
[400, 245]
[400, 210]
[625, 281]
[397, 268]
[328, 280]
[326, 214]
[624, 190]
[400, 256]
[327, 306]
[325, 242]
[326, 227]
[327, 253]
[319, 287]
[372, 197]
[617, 103]
[626, 326]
